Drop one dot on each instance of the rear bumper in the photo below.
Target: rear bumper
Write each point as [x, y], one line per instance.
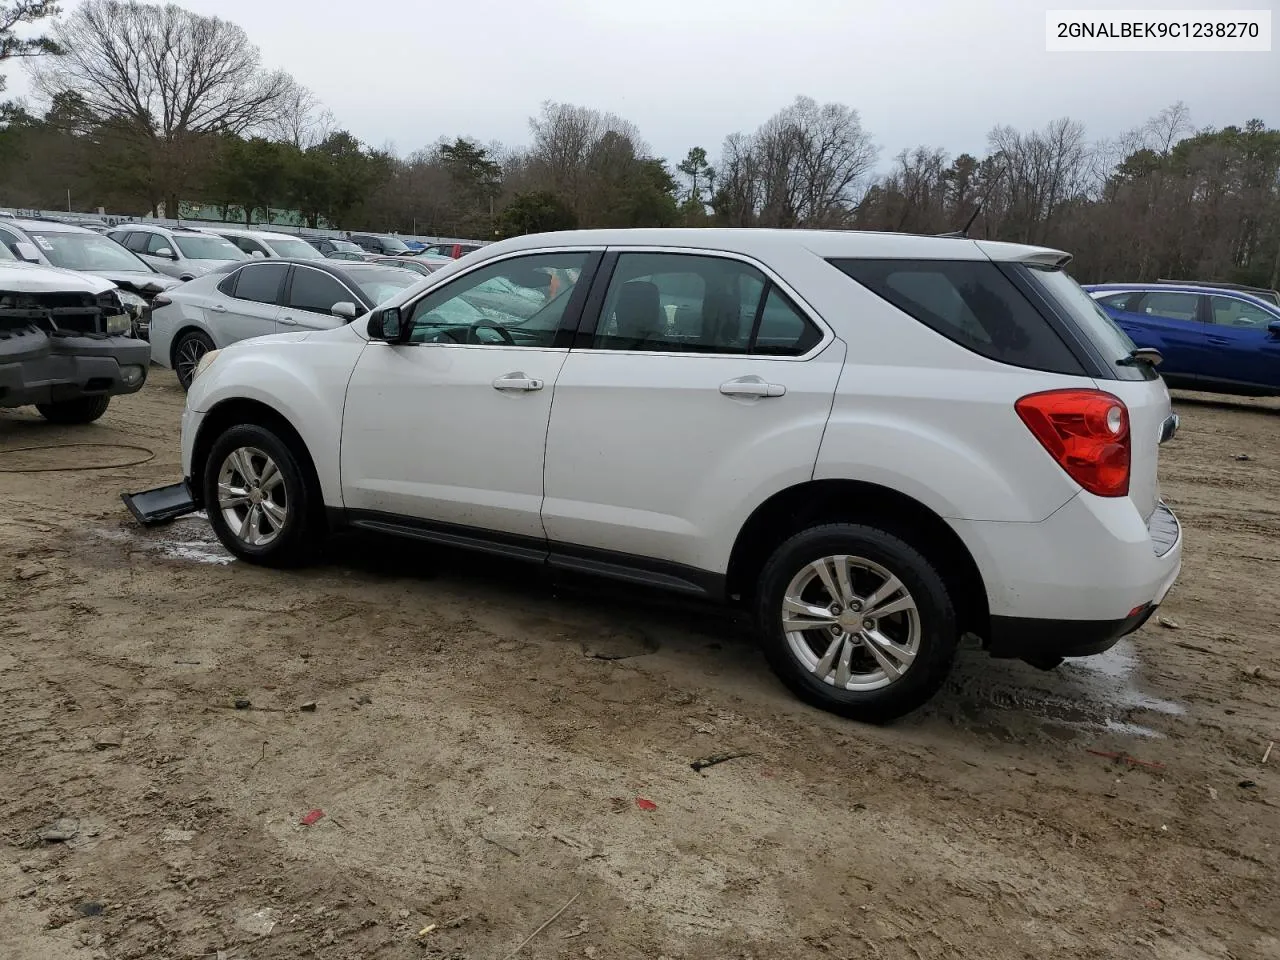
[1075, 583]
[74, 367]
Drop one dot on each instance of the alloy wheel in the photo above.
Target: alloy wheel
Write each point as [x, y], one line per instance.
[252, 497]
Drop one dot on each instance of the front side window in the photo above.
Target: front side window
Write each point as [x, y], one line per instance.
[157, 242]
[316, 291]
[260, 283]
[689, 303]
[1230, 312]
[205, 247]
[1174, 306]
[517, 302]
[972, 303]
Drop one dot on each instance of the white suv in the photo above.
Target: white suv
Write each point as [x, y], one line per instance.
[874, 442]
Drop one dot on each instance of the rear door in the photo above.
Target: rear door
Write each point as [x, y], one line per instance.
[246, 303]
[1243, 349]
[696, 380]
[308, 304]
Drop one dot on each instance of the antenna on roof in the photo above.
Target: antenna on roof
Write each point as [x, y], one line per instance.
[964, 233]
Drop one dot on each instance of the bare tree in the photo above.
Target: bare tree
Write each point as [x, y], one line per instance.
[300, 119]
[18, 12]
[165, 78]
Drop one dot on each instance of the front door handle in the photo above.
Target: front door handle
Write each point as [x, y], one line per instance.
[517, 381]
[218, 308]
[752, 387]
[1220, 341]
[289, 320]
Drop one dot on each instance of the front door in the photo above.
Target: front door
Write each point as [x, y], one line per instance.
[1243, 349]
[699, 377]
[1168, 320]
[449, 427]
[308, 304]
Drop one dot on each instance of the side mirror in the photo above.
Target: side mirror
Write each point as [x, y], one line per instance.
[385, 325]
[166, 252]
[27, 251]
[1273, 328]
[258, 255]
[344, 309]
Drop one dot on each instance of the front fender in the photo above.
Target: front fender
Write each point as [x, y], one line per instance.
[304, 380]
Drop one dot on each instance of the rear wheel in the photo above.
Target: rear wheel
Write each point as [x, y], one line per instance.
[856, 621]
[79, 410]
[187, 354]
[261, 502]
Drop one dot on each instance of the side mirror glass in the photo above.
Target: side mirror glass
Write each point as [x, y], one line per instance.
[344, 309]
[27, 251]
[258, 255]
[166, 252]
[1273, 328]
[384, 324]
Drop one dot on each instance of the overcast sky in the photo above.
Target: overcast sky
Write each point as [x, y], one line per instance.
[688, 72]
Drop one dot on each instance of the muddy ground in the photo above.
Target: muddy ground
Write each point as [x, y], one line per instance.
[479, 764]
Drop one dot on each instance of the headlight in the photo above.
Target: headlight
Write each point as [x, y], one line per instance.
[132, 302]
[205, 363]
[119, 324]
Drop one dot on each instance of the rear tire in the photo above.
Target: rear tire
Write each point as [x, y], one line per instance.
[261, 501]
[79, 410]
[871, 630]
[187, 354]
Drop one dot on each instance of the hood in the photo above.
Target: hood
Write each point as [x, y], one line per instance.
[141, 281]
[16, 277]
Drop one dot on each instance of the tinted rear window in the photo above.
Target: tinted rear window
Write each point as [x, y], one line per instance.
[970, 302]
[1091, 320]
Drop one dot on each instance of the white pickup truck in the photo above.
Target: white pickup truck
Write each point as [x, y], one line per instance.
[64, 342]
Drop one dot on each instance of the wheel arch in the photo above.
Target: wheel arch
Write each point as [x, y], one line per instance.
[243, 410]
[852, 501]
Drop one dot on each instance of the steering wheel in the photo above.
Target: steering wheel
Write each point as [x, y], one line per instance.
[490, 325]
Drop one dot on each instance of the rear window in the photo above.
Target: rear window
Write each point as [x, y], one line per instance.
[972, 303]
[1091, 320]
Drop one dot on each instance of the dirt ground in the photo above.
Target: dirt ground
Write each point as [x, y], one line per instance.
[482, 736]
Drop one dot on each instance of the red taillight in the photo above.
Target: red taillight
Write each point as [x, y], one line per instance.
[1087, 432]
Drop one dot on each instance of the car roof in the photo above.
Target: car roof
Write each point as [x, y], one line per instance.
[762, 242]
[45, 226]
[250, 232]
[1193, 288]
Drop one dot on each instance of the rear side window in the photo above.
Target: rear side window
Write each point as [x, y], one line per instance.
[970, 302]
[1117, 301]
[260, 283]
[1174, 306]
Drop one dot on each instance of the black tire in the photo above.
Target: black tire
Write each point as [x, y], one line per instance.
[79, 410]
[187, 351]
[938, 633]
[303, 526]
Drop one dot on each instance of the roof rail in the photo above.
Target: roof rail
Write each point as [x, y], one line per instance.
[1266, 293]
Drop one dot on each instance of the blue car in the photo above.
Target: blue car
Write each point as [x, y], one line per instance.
[1211, 338]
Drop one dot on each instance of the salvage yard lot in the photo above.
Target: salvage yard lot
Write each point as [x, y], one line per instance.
[482, 734]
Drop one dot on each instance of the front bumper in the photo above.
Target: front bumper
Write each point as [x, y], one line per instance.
[73, 367]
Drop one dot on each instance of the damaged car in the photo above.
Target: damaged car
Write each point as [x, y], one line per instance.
[65, 344]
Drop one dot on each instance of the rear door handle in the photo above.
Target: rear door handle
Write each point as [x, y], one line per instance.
[1221, 341]
[289, 320]
[517, 381]
[752, 387]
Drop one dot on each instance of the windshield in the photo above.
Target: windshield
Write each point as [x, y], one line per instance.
[293, 247]
[5, 253]
[393, 245]
[209, 248]
[383, 284]
[346, 246]
[88, 252]
[1102, 331]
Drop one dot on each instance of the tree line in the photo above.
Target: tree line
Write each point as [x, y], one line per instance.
[147, 108]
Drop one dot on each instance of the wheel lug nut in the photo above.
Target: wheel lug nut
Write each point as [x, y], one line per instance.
[855, 606]
[835, 629]
[835, 609]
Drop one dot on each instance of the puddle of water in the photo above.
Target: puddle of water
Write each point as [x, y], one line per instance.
[188, 539]
[1098, 693]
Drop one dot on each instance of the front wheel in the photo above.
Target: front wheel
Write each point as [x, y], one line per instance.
[856, 621]
[79, 410]
[261, 503]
